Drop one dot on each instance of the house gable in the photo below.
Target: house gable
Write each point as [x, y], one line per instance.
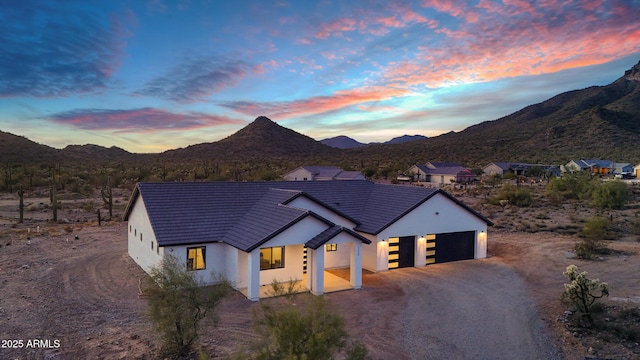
[439, 214]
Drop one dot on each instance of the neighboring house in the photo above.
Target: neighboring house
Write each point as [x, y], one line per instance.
[254, 232]
[441, 173]
[636, 171]
[591, 166]
[304, 173]
[501, 168]
[622, 168]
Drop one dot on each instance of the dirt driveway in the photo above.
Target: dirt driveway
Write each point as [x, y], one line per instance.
[84, 293]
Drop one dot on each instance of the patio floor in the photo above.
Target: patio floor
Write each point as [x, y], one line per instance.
[332, 283]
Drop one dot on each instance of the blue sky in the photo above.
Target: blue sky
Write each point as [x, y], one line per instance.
[148, 76]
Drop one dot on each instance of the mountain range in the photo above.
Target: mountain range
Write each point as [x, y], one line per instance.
[596, 122]
[345, 142]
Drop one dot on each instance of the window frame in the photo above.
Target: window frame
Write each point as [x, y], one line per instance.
[272, 264]
[331, 247]
[192, 262]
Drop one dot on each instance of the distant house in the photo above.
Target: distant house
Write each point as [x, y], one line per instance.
[441, 173]
[501, 168]
[636, 171]
[591, 166]
[253, 233]
[312, 173]
[623, 168]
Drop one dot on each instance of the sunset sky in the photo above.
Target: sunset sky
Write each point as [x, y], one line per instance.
[148, 76]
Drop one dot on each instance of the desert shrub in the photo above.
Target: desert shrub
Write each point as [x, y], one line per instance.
[178, 303]
[513, 195]
[542, 216]
[593, 234]
[570, 186]
[598, 228]
[582, 293]
[610, 195]
[309, 329]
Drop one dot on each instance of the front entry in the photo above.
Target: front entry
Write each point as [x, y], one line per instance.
[402, 252]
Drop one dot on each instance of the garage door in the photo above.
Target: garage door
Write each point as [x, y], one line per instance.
[402, 251]
[455, 246]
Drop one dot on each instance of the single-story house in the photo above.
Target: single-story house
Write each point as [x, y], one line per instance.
[592, 166]
[305, 173]
[622, 168]
[255, 232]
[441, 173]
[501, 168]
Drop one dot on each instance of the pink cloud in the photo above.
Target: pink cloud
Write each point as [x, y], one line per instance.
[318, 104]
[451, 7]
[336, 27]
[144, 120]
[553, 38]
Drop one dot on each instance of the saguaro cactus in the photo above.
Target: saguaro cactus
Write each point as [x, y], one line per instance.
[54, 201]
[107, 196]
[21, 205]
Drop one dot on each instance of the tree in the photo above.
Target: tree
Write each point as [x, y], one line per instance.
[178, 302]
[582, 292]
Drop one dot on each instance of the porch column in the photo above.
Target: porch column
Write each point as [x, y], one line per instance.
[253, 275]
[355, 276]
[310, 262]
[317, 271]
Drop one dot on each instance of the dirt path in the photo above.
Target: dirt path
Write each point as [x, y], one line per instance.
[81, 292]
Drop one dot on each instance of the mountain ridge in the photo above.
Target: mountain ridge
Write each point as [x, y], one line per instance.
[594, 122]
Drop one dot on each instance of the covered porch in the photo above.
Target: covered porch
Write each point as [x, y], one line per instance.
[334, 281]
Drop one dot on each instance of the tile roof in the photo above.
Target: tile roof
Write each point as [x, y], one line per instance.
[332, 232]
[246, 214]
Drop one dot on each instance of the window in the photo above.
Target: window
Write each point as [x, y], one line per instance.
[141, 236]
[151, 243]
[195, 258]
[272, 258]
[331, 247]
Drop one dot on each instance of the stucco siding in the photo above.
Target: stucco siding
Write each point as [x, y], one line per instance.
[293, 263]
[215, 260]
[492, 169]
[371, 252]
[342, 256]
[298, 175]
[140, 236]
[437, 215]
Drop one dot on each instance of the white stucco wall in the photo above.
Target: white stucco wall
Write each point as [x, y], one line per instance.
[492, 169]
[342, 256]
[298, 175]
[293, 239]
[302, 202]
[437, 215]
[140, 250]
[215, 260]
[373, 253]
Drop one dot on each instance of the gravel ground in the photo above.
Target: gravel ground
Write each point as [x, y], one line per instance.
[476, 309]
